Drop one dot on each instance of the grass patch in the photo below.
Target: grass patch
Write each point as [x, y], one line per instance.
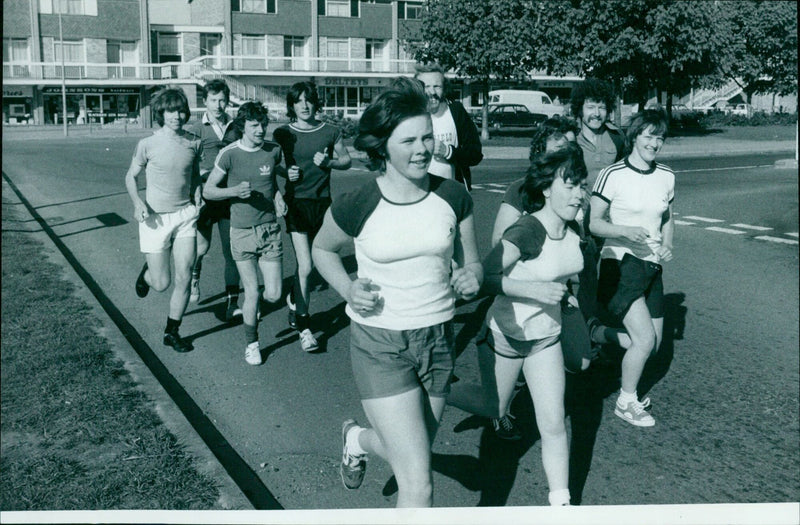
[77, 434]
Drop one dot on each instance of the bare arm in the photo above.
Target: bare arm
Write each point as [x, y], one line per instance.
[506, 216]
[140, 212]
[667, 231]
[213, 191]
[602, 227]
[502, 256]
[466, 279]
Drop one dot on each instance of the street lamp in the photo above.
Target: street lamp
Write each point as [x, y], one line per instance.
[63, 74]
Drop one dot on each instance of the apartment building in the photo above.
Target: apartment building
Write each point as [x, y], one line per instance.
[110, 56]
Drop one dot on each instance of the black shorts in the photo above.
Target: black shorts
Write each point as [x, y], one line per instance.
[212, 213]
[622, 282]
[306, 215]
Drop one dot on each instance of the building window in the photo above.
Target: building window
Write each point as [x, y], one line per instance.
[121, 53]
[16, 51]
[376, 55]
[294, 48]
[346, 8]
[68, 7]
[73, 53]
[338, 53]
[211, 45]
[169, 47]
[409, 10]
[255, 6]
[254, 46]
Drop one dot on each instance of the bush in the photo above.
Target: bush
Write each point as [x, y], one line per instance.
[717, 119]
[348, 126]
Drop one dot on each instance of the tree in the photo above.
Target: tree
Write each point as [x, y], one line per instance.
[483, 40]
[639, 45]
[763, 53]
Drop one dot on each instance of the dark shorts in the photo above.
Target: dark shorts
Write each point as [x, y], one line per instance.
[391, 362]
[622, 282]
[212, 213]
[306, 215]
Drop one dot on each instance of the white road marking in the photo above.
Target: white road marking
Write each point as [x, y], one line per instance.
[725, 230]
[701, 219]
[723, 169]
[496, 191]
[495, 185]
[775, 239]
[684, 223]
[750, 227]
[793, 234]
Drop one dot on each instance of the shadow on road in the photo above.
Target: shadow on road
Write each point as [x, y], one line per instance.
[494, 471]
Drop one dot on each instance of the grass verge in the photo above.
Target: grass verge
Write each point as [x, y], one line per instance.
[77, 434]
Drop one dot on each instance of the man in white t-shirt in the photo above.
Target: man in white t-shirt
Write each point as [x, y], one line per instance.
[457, 144]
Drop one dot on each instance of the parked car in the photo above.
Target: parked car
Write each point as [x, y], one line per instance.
[510, 116]
[741, 109]
[536, 101]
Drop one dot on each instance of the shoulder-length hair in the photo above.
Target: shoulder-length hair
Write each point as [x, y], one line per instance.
[566, 163]
[170, 99]
[307, 88]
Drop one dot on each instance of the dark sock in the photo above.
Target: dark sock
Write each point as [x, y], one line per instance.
[303, 322]
[250, 333]
[232, 291]
[172, 325]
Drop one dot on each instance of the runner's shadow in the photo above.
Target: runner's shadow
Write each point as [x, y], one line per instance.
[674, 326]
[472, 321]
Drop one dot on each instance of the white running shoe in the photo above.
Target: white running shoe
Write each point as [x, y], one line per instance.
[252, 354]
[308, 342]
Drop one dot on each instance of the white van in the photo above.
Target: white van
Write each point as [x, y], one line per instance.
[536, 101]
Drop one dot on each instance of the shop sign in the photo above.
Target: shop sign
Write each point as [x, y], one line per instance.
[329, 81]
[91, 90]
[17, 91]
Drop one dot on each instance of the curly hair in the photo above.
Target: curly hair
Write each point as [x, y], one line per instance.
[404, 99]
[307, 88]
[170, 99]
[250, 110]
[566, 163]
[557, 127]
[592, 89]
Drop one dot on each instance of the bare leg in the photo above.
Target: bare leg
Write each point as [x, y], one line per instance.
[183, 254]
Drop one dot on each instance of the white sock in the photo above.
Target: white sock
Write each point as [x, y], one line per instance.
[353, 446]
[626, 397]
[558, 498]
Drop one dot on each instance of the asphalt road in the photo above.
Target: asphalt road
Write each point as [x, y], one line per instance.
[724, 387]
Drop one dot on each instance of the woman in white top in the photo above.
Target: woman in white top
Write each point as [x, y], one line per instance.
[632, 208]
[407, 227]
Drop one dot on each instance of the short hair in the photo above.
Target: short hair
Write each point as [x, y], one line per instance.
[644, 119]
[566, 163]
[553, 127]
[217, 85]
[250, 110]
[170, 99]
[404, 99]
[307, 88]
[592, 89]
[429, 67]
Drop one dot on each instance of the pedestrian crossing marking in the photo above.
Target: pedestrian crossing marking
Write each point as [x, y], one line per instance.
[495, 185]
[496, 191]
[751, 227]
[775, 239]
[725, 230]
[684, 223]
[792, 234]
[701, 219]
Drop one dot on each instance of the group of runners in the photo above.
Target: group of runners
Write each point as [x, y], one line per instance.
[593, 211]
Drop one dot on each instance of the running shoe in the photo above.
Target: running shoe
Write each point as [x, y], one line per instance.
[292, 312]
[194, 289]
[177, 342]
[252, 354]
[634, 413]
[141, 285]
[506, 428]
[353, 466]
[232, 310]
[308, 342]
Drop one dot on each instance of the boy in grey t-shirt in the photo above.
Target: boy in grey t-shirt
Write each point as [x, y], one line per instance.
[250, 164]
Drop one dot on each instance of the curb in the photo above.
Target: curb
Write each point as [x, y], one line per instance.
[786, 164]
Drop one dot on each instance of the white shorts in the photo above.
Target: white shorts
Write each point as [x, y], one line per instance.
[159, 230]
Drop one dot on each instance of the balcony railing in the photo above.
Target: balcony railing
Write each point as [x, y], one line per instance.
[193, 69]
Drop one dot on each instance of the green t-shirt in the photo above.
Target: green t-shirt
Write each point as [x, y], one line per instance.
[256, 166]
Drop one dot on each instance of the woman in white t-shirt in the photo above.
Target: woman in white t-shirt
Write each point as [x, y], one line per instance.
[632, 209]
[524, 329]
[407, 227]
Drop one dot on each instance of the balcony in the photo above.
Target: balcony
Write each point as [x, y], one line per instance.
[21, 72]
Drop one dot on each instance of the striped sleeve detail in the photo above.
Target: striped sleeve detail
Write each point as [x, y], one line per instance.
[601, 185]
[671, 175]
[224, 167]
[351, 211]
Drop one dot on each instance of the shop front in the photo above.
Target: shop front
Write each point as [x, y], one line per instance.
[17, 104]
[349, 96]
[92, 105]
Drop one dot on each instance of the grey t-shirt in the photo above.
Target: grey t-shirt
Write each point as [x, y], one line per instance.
[172, 169]
[256, 166]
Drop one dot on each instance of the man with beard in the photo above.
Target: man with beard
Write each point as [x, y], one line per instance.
[591, 103]
[457, 145]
